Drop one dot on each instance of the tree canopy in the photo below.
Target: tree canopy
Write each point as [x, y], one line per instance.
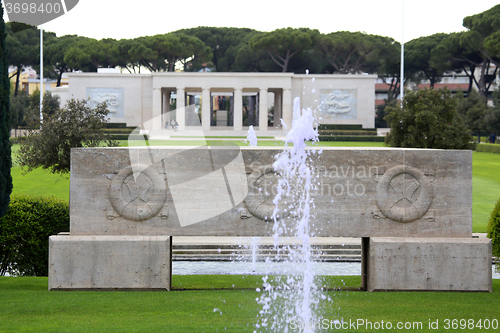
[76, 125]
[427, 119]
[283, 44]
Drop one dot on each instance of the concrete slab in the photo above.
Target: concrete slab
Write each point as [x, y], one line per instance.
[110, 263]
[205, 192]
[437, 264]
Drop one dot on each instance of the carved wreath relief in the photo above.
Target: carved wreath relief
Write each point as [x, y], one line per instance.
[404, 194]
[138, 199]
[259, 201]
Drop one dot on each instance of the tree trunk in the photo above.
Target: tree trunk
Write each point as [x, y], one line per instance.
[59, 77]
[18, 74]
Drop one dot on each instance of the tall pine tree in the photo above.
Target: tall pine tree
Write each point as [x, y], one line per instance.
[5, 158]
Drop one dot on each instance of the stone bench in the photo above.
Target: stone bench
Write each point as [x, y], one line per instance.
[411, 207]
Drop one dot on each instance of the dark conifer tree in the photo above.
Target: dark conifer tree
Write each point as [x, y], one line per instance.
[5, 158]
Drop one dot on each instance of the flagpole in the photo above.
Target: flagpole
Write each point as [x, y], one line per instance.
[41, 75]
[402, 75]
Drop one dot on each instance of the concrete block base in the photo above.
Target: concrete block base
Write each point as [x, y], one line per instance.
[439, 264]
[110, 262]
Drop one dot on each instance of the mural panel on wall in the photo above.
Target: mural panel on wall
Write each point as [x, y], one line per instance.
[338, 104]
[114, 98]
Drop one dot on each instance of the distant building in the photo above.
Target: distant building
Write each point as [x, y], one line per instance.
[225, 102]
[29, 81]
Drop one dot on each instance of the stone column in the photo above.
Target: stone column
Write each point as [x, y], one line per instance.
[277, 109]
[157, 121]
[205, 109]
[287, 107]
[180, 113]
[263, 109]
[166, 107]
[238, 109]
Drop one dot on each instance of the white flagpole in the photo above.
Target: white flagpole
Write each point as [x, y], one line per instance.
[402, 75]
[41, 75]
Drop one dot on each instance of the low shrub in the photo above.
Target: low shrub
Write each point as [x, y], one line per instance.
[116, 125]
[494, 232]
[118, 130]
[340, 127]
[351, 138]
[25, 231]
[347, 132]
[125, 137]
[488, 148]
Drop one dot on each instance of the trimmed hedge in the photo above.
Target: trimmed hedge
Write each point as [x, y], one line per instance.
[340, 127]
[124, 137]
[25, 231]
[351, 138]
[116, 125]
[494, 232]
[346, 132]
[118, 130]
[488, 148]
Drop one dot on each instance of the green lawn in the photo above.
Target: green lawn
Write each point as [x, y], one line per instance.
[27, 306]
[485, 180]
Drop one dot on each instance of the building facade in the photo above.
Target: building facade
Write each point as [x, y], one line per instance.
[225, 103]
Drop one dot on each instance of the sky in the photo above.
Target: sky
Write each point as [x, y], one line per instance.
[129, 19]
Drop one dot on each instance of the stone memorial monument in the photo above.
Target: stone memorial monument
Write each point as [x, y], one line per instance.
[411, 207]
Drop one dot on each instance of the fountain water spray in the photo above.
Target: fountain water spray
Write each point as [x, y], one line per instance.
[289, 299]
[251, 137]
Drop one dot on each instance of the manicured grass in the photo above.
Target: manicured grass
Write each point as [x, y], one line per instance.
[486, 177]
[485, 188]
[27, 306]
[38, 182]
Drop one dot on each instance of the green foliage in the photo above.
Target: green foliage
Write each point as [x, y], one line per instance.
[473, 110]
[494, 231]
[419, 60]
[380, 112]
[340, 127]
[347, 132]
[223, 42]
[25, 231]
[427, 120]
[24, 47]
[351, 138]
[488, 148]
[25, 109]
[283, 44]
[76, 125]
[352, 52]
[5, 151]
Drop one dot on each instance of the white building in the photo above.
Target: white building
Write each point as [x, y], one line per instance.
[225, 103]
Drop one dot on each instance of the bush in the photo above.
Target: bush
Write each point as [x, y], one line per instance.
[494, 232]
[340, 127]
[427, 120]
[347, 132]
[25, 231]
[488, 148]
[351, 138]
[75, 126]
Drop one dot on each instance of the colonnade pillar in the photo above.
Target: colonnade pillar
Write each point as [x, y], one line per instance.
[156, 119]
[205, 109]
[238, 110]
[166, 107]
[287, 107]
[263, 109]
[180, 113]
[277, 108]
